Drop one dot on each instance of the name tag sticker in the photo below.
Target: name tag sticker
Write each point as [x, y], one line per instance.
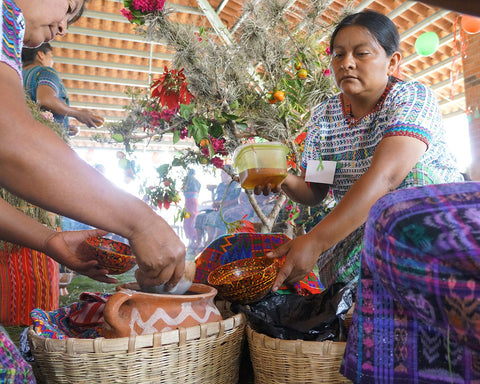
[315, 173]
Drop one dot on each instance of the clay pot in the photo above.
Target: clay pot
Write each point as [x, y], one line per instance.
[132, 312]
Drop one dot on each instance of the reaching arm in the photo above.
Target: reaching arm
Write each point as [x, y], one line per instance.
[48, 99]
[68, 248]
[392, 161]
[39, 167]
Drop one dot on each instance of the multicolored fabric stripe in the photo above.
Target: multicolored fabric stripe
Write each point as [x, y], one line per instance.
[13, 368]
[417, 313]
[82, 319]
[28, 279]
[13, 29]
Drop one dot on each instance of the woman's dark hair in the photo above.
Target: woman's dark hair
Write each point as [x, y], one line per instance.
[29, 54]
[79, 14]
[380, 26]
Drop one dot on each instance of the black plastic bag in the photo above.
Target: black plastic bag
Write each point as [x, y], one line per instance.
[317, 317]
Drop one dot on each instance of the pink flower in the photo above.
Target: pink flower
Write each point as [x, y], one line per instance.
[327, 51]
[219, 146]
[326, 72]
[48, 115]
[168, 113]
[217, 162]
[125, 12]
[183, 133]
[148, 5]
[205, 151]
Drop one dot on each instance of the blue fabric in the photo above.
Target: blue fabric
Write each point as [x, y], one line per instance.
[39, 75]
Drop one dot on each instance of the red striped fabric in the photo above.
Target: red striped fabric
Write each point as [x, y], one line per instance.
[28, 279]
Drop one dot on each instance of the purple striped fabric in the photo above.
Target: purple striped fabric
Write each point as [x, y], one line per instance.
[417, 314]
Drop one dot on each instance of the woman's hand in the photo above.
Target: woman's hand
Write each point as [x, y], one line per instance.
[302, 254]
[267, 189]
[88, 118]
[70, 249]
[160, 253]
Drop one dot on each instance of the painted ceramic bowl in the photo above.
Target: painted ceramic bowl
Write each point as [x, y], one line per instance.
[245, 281]
[112, 255]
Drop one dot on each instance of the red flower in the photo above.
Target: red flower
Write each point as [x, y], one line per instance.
[246, 226]
[300, 138]
[171, 89]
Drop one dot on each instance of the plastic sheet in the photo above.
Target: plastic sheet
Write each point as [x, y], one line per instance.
[317, 317]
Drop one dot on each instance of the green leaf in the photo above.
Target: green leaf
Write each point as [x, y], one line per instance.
[186, 111]
[176, 136]
[216, 130]
[242, 126]
[200, 129]
[117, 137]
[163, 169]
[230, 116]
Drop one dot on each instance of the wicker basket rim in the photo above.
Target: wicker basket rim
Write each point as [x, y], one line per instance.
[300, 347]
[178, 336]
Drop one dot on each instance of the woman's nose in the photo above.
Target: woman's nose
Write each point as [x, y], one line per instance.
[348, 62]
[62, 28]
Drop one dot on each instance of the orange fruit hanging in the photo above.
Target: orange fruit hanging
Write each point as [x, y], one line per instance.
[279, 96]
[302, 74]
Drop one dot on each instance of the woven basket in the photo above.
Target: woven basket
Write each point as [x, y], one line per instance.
[203, 354]
[277, 361]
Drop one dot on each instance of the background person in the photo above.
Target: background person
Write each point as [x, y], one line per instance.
[192, 189]
[383, 133]
[44, 86]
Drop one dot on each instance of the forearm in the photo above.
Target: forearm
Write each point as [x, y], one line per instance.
[52, 103]
[20, 229]
[42, 169]
[301, 192]
[352, 211]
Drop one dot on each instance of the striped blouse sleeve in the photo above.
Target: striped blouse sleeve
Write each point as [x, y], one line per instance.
[13, 29]
[414, 112]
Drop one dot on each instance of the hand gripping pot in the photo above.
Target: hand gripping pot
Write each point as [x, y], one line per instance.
[260, 164]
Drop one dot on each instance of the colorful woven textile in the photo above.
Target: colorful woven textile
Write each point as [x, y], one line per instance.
[417, 315]
[82, 319]
[28, 279]
[13, 368]
[239, 246]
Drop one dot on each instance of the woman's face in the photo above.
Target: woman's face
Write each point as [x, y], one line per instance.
[360, 64]
[44, 19]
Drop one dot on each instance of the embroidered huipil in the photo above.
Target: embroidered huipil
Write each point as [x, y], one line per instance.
[405, 109]
[13, 30]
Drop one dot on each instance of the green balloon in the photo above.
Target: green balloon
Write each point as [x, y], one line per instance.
[427, 43]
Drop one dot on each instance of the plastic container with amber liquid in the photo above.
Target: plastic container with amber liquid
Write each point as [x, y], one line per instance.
[261, 164]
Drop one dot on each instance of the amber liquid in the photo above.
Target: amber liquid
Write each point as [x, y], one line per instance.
[262, 176]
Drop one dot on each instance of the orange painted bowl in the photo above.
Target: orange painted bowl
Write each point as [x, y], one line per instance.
[113, 255]
[244, 281]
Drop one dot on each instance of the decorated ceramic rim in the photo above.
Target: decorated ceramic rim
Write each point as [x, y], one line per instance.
[196, 290]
